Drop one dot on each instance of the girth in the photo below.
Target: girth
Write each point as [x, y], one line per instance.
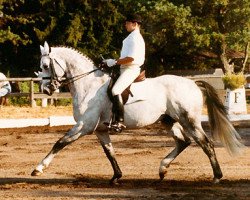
[125, 94]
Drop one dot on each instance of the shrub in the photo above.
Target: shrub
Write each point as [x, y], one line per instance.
[25, 101]
[24, 88]
[233, 81]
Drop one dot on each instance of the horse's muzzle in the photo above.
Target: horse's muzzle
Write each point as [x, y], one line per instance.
[47, 90]
[50, 88]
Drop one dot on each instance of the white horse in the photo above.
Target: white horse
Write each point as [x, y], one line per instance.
[175, 101]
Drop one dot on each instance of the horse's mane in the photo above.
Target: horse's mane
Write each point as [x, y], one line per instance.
[85, 57]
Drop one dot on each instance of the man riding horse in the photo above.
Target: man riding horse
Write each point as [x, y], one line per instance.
[131, 59]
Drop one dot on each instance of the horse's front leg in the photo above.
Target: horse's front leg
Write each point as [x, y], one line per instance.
[110, 153]
[70, 137]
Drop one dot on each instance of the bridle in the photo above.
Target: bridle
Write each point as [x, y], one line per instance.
[56, 82]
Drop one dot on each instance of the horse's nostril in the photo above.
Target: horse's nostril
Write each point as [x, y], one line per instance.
[46, 67]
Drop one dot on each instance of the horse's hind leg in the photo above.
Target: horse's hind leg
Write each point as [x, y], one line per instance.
[208, 147]
[181, 142]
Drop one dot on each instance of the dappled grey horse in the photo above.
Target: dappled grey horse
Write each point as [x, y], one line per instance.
[175, 101]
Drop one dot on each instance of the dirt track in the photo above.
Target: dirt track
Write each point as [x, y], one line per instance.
[82, 171]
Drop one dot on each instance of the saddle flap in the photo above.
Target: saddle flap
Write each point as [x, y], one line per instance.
[125, 94]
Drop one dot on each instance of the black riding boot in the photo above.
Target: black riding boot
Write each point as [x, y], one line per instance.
[118, 110]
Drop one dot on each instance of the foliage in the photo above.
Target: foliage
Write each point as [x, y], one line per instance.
[183, 30]
[24, 88]
[233, 81]
[64, 102]
[176, 32]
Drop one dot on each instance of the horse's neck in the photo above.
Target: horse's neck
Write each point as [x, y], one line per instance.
[87, 86]
[86, 89]
[79, 64]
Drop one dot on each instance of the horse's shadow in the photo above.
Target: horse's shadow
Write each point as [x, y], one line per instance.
[99, 182]
[85, 187]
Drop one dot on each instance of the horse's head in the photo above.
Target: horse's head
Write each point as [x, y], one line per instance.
[53, 69]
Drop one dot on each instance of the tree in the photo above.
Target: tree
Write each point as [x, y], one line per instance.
[175, 31]
[181, 30]
[172, 33]
[227, 23]
[17, 19]
[232, 19]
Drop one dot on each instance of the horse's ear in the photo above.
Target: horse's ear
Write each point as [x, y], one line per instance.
[46, 48]
[42, 50]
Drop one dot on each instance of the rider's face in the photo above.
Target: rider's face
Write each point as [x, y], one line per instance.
[130, 26]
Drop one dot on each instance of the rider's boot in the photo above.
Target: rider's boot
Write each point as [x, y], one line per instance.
[118, 109]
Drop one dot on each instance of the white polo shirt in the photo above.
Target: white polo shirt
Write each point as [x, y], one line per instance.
[134, 46]
[2, 77]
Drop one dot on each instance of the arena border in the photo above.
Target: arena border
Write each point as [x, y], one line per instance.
[51, 121]
[237, 120]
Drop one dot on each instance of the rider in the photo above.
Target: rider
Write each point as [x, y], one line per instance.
[5, 87]
[132, 57]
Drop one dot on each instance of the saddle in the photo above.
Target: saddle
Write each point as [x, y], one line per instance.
[125, 94]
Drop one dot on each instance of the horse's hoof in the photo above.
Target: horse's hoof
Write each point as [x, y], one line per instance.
[114, 182]
[216, 181]
[36, 173]
[162, 175]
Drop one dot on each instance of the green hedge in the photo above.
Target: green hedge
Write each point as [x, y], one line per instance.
[25, 101]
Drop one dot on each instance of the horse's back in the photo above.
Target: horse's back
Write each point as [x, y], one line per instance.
[183, 95]
[167, 94]
[176, 86]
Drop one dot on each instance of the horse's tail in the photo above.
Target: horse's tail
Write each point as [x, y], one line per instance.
[221, 127]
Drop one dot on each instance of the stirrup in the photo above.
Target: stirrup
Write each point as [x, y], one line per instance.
[115, 126]
[118, 126]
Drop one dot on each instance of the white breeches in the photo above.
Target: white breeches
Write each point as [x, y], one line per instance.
[128, 75]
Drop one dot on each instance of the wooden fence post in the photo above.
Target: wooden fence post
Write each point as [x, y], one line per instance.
[32, 101]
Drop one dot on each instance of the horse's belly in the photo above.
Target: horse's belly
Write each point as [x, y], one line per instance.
[143, 113]
[147, 104]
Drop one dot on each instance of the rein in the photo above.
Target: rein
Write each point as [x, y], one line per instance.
[77, 77]
[65, 81]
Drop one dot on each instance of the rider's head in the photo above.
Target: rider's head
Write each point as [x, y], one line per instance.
[133, 21]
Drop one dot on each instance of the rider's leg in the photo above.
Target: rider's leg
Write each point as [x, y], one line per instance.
[118, 108]
[128, 75]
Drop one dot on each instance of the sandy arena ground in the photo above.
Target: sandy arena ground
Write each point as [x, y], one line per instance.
[82, 171]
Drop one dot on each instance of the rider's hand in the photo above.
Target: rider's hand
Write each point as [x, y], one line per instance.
[110, 62]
